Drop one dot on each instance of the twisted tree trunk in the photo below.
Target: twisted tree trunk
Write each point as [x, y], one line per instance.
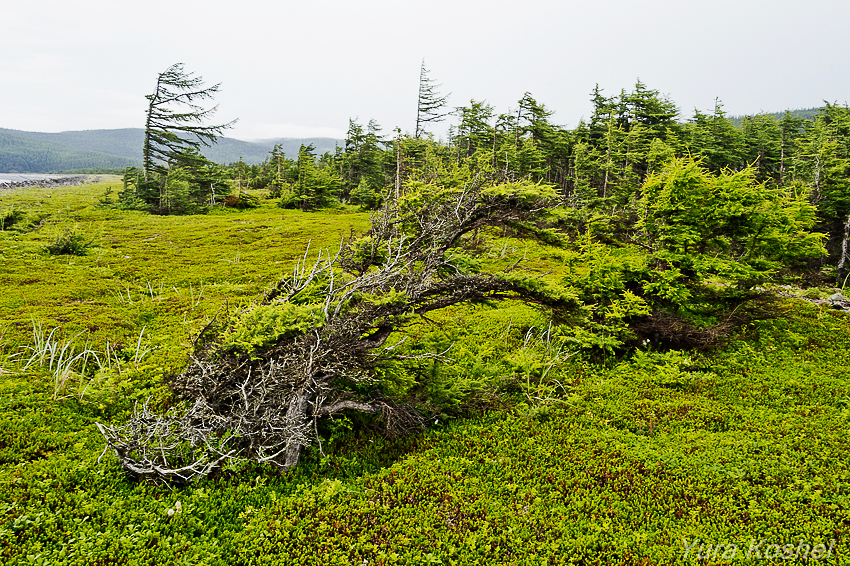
[300, 412]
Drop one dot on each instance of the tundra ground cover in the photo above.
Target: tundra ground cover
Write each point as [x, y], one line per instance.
[624, 461]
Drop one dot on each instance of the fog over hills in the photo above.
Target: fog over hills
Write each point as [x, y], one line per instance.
[42, 152]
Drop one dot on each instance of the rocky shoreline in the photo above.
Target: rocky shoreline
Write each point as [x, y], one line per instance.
[16, 180]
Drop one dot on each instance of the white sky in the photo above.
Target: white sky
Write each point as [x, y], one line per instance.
[303, 68]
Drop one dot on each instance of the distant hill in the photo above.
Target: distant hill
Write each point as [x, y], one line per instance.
[42, 152]
[804, 113]
[126, 142]
[229, 150]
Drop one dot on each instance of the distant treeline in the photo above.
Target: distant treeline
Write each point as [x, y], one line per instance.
[804, 113]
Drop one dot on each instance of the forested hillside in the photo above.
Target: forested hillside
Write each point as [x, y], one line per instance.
[802, 113]
[229, 150]
[125, 142]
[25, 154]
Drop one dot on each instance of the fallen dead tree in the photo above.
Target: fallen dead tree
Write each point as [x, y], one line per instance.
[308, 349]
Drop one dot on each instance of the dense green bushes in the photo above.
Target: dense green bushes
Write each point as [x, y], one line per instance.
[266, 325]
[10, 217]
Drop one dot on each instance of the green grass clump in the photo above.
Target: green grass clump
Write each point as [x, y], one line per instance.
[566, 458]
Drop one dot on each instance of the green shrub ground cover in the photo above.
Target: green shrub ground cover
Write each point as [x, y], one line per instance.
[636, 457]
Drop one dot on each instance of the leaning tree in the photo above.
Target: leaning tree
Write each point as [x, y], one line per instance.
[176, 126]
[309, 347]
[175, 122]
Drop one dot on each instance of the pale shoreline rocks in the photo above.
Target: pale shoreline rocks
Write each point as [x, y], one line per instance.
[16, 180]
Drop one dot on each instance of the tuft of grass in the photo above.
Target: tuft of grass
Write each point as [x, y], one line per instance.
[6, 359]
[154, 292]
[535, 360]
[63, 359]
[67, 363]
[140, 351]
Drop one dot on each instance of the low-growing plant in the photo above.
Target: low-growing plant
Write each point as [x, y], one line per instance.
[106, 201]
[265, 325]
[288, 198]
[140, 351]
[6, 358]
[816, 293]
[242, 201]
[534, 362]
[10, 217]
[154, 292]
[70, 242]
[68, 363]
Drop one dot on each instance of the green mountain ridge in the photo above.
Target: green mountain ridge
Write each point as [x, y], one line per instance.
[43, 152]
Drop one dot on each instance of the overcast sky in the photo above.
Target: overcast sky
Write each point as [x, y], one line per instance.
[299, 69]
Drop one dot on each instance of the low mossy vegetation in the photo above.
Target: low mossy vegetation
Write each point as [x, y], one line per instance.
[267, 324]
[598, 443]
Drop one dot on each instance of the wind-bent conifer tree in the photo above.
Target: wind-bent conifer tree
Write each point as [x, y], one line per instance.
[175, 122]
[310, 348]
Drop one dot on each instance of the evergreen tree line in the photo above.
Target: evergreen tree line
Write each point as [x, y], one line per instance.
[598, 168]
